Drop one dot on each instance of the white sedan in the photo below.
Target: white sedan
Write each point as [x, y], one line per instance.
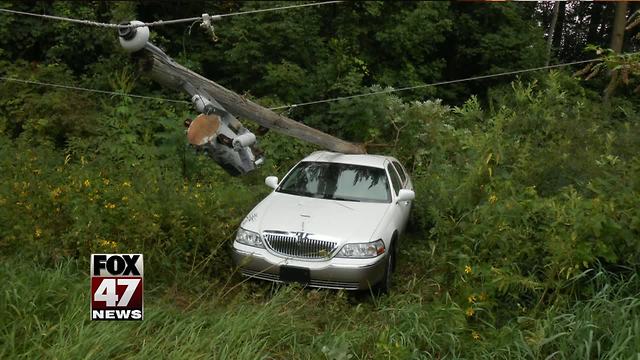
[334, 221]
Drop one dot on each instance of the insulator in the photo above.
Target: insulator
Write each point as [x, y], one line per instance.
[244, 140]
[133, 39]
[203, 105]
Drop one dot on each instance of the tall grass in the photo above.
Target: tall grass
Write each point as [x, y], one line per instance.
[44, 313]
[605, 326]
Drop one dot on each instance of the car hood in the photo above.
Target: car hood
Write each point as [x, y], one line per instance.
[342, 221]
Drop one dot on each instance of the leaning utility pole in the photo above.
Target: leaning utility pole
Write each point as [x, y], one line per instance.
[172, 74]
[220, 104]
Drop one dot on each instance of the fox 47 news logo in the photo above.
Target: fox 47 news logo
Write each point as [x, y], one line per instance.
[116, 287]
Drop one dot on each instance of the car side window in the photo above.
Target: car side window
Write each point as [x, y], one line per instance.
[400, 171]
[395, 180]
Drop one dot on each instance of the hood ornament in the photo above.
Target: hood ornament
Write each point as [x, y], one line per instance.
[305, 216]
[300, 237]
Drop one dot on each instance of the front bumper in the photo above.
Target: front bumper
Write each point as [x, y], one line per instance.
[335, 273]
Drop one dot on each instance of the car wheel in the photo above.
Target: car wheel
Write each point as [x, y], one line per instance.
[385, 284]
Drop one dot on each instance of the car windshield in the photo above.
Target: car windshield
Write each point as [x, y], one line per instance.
[336, 181]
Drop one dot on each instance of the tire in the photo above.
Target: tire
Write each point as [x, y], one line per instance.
[384, 286]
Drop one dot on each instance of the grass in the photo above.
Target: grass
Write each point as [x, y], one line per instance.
[44, 313]
[512, 231]
[605, 326]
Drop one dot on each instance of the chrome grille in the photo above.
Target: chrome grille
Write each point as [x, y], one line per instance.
[298, 245]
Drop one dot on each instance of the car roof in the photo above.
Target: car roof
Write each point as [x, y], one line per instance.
[360, 159]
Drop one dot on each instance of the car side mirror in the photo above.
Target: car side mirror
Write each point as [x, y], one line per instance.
[405, 195]
[271, 181]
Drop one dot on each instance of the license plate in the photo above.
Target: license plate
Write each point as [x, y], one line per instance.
[294, 274]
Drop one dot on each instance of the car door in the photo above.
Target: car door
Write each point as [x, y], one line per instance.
[400, 209]
[404, 176]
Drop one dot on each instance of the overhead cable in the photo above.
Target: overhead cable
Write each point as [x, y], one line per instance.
[339, 98]
[105, 92]
[439, 83]
[203, 17]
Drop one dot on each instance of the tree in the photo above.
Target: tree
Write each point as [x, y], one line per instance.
[560, 24]
[595, 23]
[617, 38]
[578, 24]
[552, 30]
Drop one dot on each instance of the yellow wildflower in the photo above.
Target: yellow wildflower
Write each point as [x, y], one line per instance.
[467, 269]
[86, 183]
[110, 206]
[475, 335]
[126, 184]
[470, 312]
[471, 299]
[493, 198]
[38, 232]
[55, 193]
[106, 181]
[109, 244]
[198, 185]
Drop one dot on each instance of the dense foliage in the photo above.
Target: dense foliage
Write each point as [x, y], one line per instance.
[524, 237]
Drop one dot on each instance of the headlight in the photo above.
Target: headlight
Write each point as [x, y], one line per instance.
[250, 238]
[362, 250]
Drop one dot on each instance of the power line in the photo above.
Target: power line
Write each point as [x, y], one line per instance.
[203, 17]
[77, 88]
[97, 23]
[443, 83]
[388, 91]
[278, 8]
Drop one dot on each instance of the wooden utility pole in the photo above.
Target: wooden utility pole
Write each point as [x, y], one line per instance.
[171, 74]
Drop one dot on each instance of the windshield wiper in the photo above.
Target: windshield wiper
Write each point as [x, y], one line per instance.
[299, 193]
[340, 198]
